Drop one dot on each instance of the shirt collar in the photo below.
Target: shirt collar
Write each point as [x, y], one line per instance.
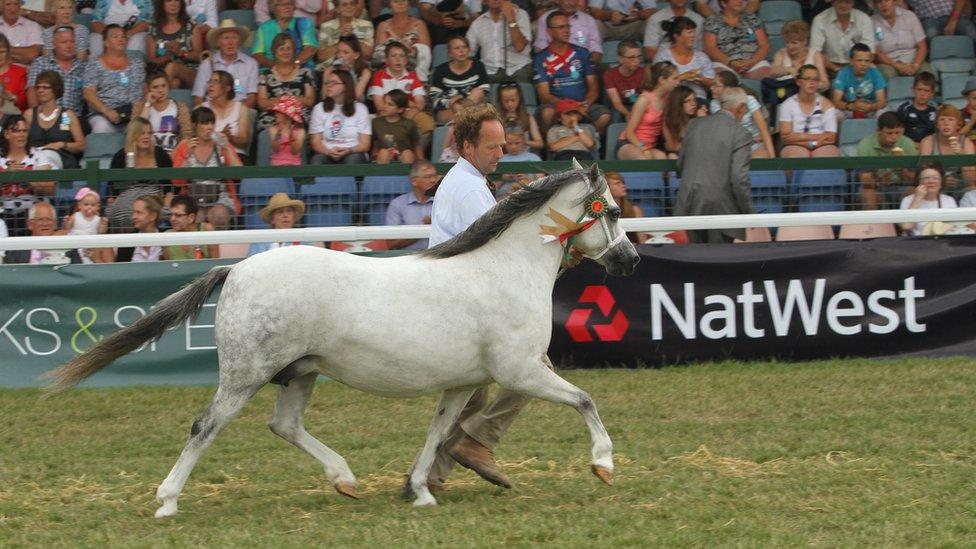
[469, 168]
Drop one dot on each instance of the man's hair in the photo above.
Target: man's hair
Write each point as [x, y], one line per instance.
[927, 78]
[399, 98]
[733, 97]
[393, 45]
[419, 165]
[553, 15]
[889, 121]
[468, 123]
[32, 211]
[860, 47]
[627, 45]
[187, 202]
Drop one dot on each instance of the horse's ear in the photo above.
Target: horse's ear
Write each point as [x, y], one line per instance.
[576, 164]
[594, 173]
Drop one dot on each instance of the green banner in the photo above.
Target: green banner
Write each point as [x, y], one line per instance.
[49, 315]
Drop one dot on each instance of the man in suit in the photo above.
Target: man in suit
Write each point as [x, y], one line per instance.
[714, 168]
[42, 221]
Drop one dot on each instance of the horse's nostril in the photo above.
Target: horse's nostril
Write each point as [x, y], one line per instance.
[636, 259]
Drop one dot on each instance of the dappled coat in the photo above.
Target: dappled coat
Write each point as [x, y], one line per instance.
[714, 169]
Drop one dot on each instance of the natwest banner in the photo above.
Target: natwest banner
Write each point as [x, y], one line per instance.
[797, 300]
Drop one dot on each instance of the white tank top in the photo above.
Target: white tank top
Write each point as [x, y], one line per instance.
[84, 226]
[166, 126]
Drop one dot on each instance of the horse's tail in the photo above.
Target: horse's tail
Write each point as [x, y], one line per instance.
[166, 314]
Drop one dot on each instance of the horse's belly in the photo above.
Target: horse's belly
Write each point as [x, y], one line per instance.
[401, 378]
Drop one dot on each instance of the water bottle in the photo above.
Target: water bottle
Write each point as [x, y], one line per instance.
[219, 139]
[130, 160]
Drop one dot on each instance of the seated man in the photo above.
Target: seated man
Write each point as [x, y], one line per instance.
[225, 43]
[42, 221]
[887, 183]
[858, 91]
[835, 30]
[413, 208]
[183, 212]
[564, 71]
[622, 19]
[25, 36]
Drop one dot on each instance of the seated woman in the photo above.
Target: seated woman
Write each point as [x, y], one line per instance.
[175, 43]
[13, 81]
[203, 151]
[736, 41]
[131, 16]
[340, 129]
[459, 78]
[788, 60]
[16, 155]
[281, 212]
[346, 24]
[618, 189]
[754, 121]
[64, 14]
[640, 139]
[112, 83]
[694, 67]
[233, 121]
[351, 57]
[169, 118]
[410, 31]
[808, 120]
[927, 195]
[146, 213]
[301, 29]
[139, 151]
[947, 141]
[52, 127]
[286, 78]
[900, 46]
[681, 107]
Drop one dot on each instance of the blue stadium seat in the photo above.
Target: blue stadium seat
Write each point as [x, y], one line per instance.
[254, 194]
[751, 84]
[821, 190]
[775, 13]
[102, 147]
[329, 201]
[244, 18]
[378, 191]
[951, 55]
[64, 198]
[83, 19]
[528, 93]
[438, 56]
[437, 143]
[899, 91]
[852, 131]
[614, 132]
[183, 96]
[610, 57]
[647, 190]
[952, 86]
[770, 190]
[776, 43]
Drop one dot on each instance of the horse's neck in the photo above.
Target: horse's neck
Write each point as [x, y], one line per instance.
[522, 252]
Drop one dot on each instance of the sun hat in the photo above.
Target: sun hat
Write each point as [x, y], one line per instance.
[289, 106]
[226, 25]
[279, 201]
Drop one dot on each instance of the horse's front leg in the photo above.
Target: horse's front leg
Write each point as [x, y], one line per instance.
[447, 412]
[540, 381]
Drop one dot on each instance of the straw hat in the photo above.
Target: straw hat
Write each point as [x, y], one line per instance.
[226, 25]
[279, 201]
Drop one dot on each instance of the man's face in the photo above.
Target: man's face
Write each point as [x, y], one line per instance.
[425, 180]
[559, 30]
[888, 137]
[181, 220]
[861, 60]
[44, 222]
[923, 92]
[64, 45]
[630, 58]
[493, 4]
[843, 7]
[11, 10]
[396, 59]
[229, 42]
[490, 148]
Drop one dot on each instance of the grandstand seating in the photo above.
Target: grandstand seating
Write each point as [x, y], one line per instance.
[254, 195]
[183, 96]
[378, 191]
[899, 91]
[821, 190]
[437, 143]
[775, 13]
[647, 190]
[852, 131]
[102, 147]
[952, 55]
[330, 201]
[769, 191]
[776, 43]
[614, 132]
[439, 55]
[610, 57]
[952, 86]
[528, 93]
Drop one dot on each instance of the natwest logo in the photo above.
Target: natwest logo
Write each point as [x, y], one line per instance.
[578, 319]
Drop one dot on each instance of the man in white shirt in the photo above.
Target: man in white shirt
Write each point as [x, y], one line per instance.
[654, 34]
[224, 43]
[838, 28]
[503, 23]
[25, 36]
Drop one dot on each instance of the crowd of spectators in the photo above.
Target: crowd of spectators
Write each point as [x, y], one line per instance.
[355, 82]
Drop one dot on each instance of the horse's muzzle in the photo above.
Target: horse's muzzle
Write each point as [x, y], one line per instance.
[621, 259]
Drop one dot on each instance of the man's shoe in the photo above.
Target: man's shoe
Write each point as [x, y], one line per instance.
[476, 456]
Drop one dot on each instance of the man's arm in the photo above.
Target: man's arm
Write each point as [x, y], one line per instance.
[739, 169]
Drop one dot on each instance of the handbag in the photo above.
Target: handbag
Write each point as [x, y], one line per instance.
[776, 90]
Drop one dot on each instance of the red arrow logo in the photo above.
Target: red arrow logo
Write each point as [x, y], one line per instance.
[578, 319]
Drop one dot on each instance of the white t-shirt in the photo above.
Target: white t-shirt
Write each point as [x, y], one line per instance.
[818, 121]
[84, 226]
[968, 200]
[337, 129]
[945, 201]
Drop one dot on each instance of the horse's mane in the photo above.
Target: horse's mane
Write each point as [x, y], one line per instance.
[522, 202]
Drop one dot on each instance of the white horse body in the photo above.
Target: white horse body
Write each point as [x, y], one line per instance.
[474, 310]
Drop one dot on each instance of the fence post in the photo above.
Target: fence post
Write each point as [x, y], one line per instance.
[91, 175]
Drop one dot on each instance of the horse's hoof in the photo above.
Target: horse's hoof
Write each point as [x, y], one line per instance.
[346, 489]
[165, 511]
[425, 501]
[602, 473]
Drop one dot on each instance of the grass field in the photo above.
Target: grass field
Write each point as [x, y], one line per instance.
[852, 453]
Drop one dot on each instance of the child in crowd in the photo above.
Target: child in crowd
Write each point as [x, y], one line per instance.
[86, 221]
[287, 133]
[969, 121]
[568, 139]
[395, 139]
[623, 83]
[512, 109]
[516, 151]
[396, 76]
[918, 115]
[859, 88]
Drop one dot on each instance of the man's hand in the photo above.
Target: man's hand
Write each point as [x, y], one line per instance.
[616, 17]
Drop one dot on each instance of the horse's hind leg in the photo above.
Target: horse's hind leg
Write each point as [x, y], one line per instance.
[448, 410]
[225, 405]
[288, 423]
[539, 381]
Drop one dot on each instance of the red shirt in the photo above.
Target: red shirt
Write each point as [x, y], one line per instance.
[629, 87]
[383, 82]
[15, 81]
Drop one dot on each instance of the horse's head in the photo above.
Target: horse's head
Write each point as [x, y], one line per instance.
[602, 240]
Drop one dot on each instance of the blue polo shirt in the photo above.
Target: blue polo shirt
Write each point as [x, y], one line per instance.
[565, 74]
[854, 88]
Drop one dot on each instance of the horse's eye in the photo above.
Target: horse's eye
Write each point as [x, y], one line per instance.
[615, 213]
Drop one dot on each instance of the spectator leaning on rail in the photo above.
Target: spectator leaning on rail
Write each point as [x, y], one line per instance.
[946, 141]
[413, 208]
[885, 186]
[42, 221]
